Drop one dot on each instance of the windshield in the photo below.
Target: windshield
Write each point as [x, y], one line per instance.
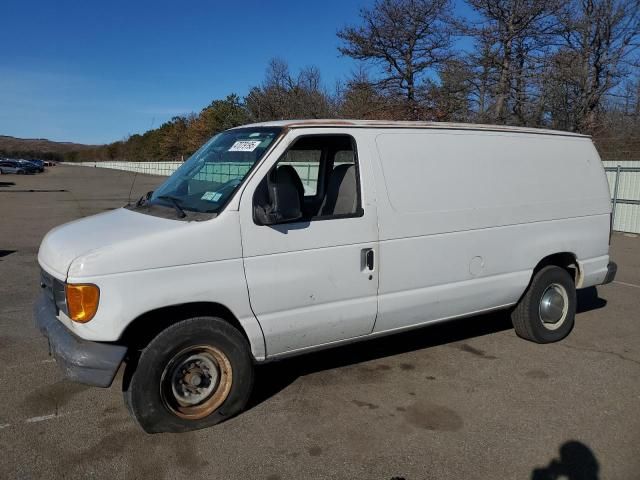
[210, 176]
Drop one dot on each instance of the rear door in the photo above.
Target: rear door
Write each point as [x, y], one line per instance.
[315, 281]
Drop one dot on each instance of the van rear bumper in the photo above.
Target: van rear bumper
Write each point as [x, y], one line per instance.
[612, 269]
[82, 361]
[596, 271]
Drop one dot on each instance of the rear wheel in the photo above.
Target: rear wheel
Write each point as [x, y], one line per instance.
[193, 375]
[546, 312]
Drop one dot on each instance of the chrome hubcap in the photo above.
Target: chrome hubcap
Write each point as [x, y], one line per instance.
[553, 307]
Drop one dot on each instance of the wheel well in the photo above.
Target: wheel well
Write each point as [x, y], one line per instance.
[144, 328]
[564, 260]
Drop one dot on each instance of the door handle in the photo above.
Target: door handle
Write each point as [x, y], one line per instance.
[369, 258]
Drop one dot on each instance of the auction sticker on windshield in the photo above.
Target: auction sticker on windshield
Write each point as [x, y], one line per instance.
[245, 145]
[211, 196]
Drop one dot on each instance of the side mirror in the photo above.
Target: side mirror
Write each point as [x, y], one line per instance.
[284, 207]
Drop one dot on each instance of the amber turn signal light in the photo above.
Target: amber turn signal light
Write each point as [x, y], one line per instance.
[82, 301]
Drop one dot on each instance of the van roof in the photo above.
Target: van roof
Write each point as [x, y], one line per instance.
[328, 123]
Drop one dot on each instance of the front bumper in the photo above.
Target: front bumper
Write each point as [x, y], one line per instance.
[612, 269]
[82, 361]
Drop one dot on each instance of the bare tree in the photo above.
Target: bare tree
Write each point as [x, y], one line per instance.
[359, 98]
[452, 96]
[283, 95]
[277, 75]
[407, 38]
[599, 46]
[510, 31]
[483, 78]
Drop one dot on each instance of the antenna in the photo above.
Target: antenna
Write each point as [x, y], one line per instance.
[135, 174]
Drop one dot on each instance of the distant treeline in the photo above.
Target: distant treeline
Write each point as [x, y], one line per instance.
[567, 65]
[36, 148]
[32, 154]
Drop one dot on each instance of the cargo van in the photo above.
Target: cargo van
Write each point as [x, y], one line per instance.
[279, 238]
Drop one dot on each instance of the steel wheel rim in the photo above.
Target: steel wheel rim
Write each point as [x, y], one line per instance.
[196, 382]
[554, 306]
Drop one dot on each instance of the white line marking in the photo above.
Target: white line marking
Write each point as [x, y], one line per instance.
[627, 284]
[41, 419]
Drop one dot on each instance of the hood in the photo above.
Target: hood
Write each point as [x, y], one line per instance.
[65, 243]
[122, 241]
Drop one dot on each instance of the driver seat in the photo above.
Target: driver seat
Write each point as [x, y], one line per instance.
[283, 174]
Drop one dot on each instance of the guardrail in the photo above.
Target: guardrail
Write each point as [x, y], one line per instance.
[150, 168]
[624, 183]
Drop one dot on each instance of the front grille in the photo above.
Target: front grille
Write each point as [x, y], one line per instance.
[46, 282]
[54, 290]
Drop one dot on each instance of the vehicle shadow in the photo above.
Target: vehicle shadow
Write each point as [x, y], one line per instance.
[576, 462]
[273, 377]
[588, 299]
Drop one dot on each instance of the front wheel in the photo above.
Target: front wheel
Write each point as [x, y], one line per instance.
[195, 374]
[546, 312]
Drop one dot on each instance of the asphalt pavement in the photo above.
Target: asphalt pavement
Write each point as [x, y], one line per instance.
[461, 400]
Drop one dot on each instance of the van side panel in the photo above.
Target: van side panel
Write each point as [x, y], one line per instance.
[445, 182]
[468, 215]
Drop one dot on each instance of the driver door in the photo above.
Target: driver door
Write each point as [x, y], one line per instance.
[315, 280]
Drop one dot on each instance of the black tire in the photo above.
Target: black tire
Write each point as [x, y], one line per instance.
[20, 172]
[527, 316]
[149, 385]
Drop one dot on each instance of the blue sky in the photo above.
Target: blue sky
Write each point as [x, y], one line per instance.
[95, 72]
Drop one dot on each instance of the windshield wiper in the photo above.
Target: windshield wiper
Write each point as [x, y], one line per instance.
[175, 201]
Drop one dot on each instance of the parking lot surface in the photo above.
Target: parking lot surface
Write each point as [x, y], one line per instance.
[465, 400]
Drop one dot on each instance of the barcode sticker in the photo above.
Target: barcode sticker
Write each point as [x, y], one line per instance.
[245, 145]
[211, 196]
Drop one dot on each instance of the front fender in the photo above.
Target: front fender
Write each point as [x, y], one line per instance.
[126, 296]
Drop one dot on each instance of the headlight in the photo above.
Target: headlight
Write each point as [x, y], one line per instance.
[82, 301]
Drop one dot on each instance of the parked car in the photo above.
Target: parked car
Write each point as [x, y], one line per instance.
[281, 238]
[39, 163]
[31, 165]
[13, 166]
[50, 163]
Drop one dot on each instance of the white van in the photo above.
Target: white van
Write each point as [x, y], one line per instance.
[278, 238]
